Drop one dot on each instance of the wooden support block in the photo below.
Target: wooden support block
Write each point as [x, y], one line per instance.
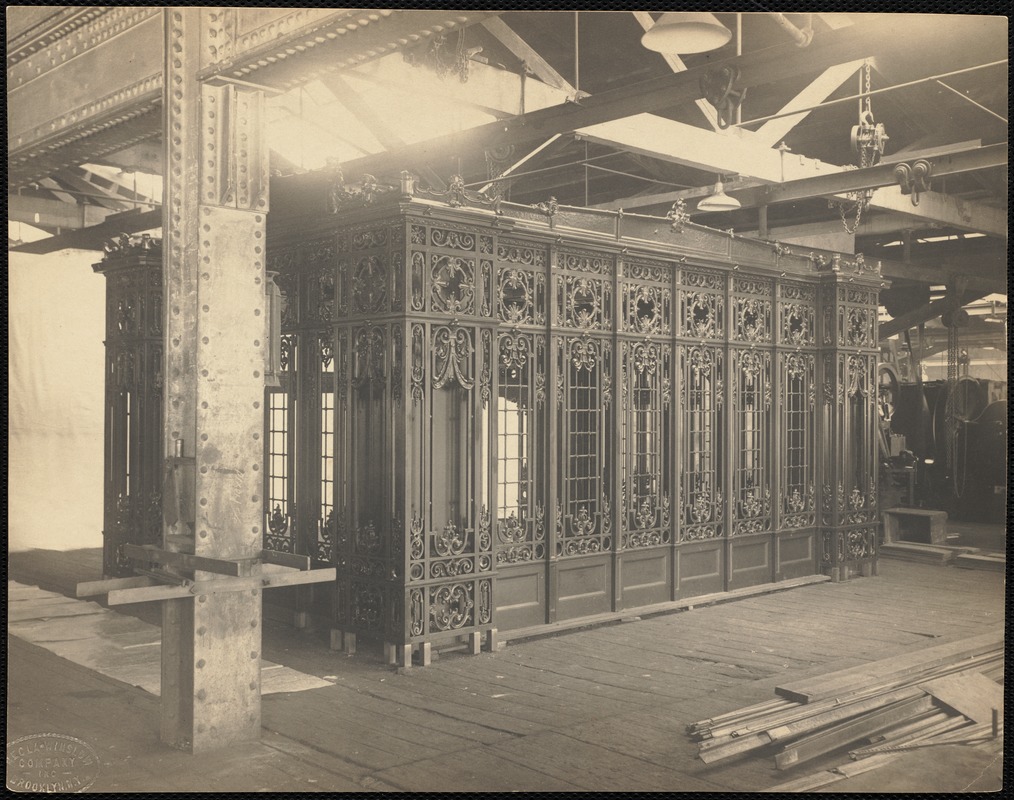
[425, 654]
[301, 620]
[390, 653]
[336, 639]
[915, 525]
[349, 643]
[404, 655]
[491, 640]
[474, 642]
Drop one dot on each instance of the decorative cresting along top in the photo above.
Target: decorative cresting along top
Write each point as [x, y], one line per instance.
[123, 244]
[306, 204]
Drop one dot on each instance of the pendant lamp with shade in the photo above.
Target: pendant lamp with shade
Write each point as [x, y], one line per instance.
[686, 32]
[718, 200]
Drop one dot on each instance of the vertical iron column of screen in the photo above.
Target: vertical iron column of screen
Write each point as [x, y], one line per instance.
[132, 474]
[581, 577]
[700, 560]
[751, 329]
[450, 501]
[644, 453]
[795, 545]
[849, 301]
[280, 405]
[520, 530]
[315, 415]
[368, 530]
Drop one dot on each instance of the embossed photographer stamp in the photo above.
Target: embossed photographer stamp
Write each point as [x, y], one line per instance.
[50, 762]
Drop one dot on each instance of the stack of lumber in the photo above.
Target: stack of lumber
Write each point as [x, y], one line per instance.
[921, 553]
[943, 694]
[988, 561]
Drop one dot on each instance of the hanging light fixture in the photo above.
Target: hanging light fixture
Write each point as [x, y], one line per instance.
[718, 200]
[686, 32]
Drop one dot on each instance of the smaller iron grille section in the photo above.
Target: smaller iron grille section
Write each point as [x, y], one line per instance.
[521, 283]
[798, 407]
[280, 528]
[583, 515]
[702, 401]
[645, 444]
[751, 406]
[520, 526]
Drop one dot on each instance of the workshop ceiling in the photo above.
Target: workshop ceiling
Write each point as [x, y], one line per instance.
[554, 97]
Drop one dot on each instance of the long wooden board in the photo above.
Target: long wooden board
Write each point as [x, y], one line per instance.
[844, 681]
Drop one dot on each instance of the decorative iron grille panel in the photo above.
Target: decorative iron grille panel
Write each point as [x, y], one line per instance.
[644, 444]
[520, 447]
[702, 304]
[584, 388]
[751, 409]
[703, 480]
[798, 409]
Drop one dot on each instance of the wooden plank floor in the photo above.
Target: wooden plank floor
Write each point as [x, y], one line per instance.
[597, 709]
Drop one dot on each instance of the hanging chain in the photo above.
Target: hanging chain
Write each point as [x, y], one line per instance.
[860, 199]
[868, 104]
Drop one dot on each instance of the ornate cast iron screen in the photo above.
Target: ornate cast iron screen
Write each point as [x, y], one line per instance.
[502, 417]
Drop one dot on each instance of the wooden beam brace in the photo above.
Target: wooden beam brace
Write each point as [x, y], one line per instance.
[89, 191]
[925, 313]
[535, 63]
[944, 273]
[149, 554]
[294, 560]
[92, 237]
[355, 103]
[225, 586]
[730, 151]
[940, 209]
[775, 130]
[95, 588]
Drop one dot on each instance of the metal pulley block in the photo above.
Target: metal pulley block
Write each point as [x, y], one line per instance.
[914, 178]
[717, 89]
[868, 138]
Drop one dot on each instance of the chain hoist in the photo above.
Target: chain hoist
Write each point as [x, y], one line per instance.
[868, 139]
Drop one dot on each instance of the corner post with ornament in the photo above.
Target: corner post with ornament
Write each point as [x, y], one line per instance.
[847, 391]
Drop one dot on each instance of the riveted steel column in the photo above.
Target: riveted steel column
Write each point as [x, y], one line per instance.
[216, 204]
